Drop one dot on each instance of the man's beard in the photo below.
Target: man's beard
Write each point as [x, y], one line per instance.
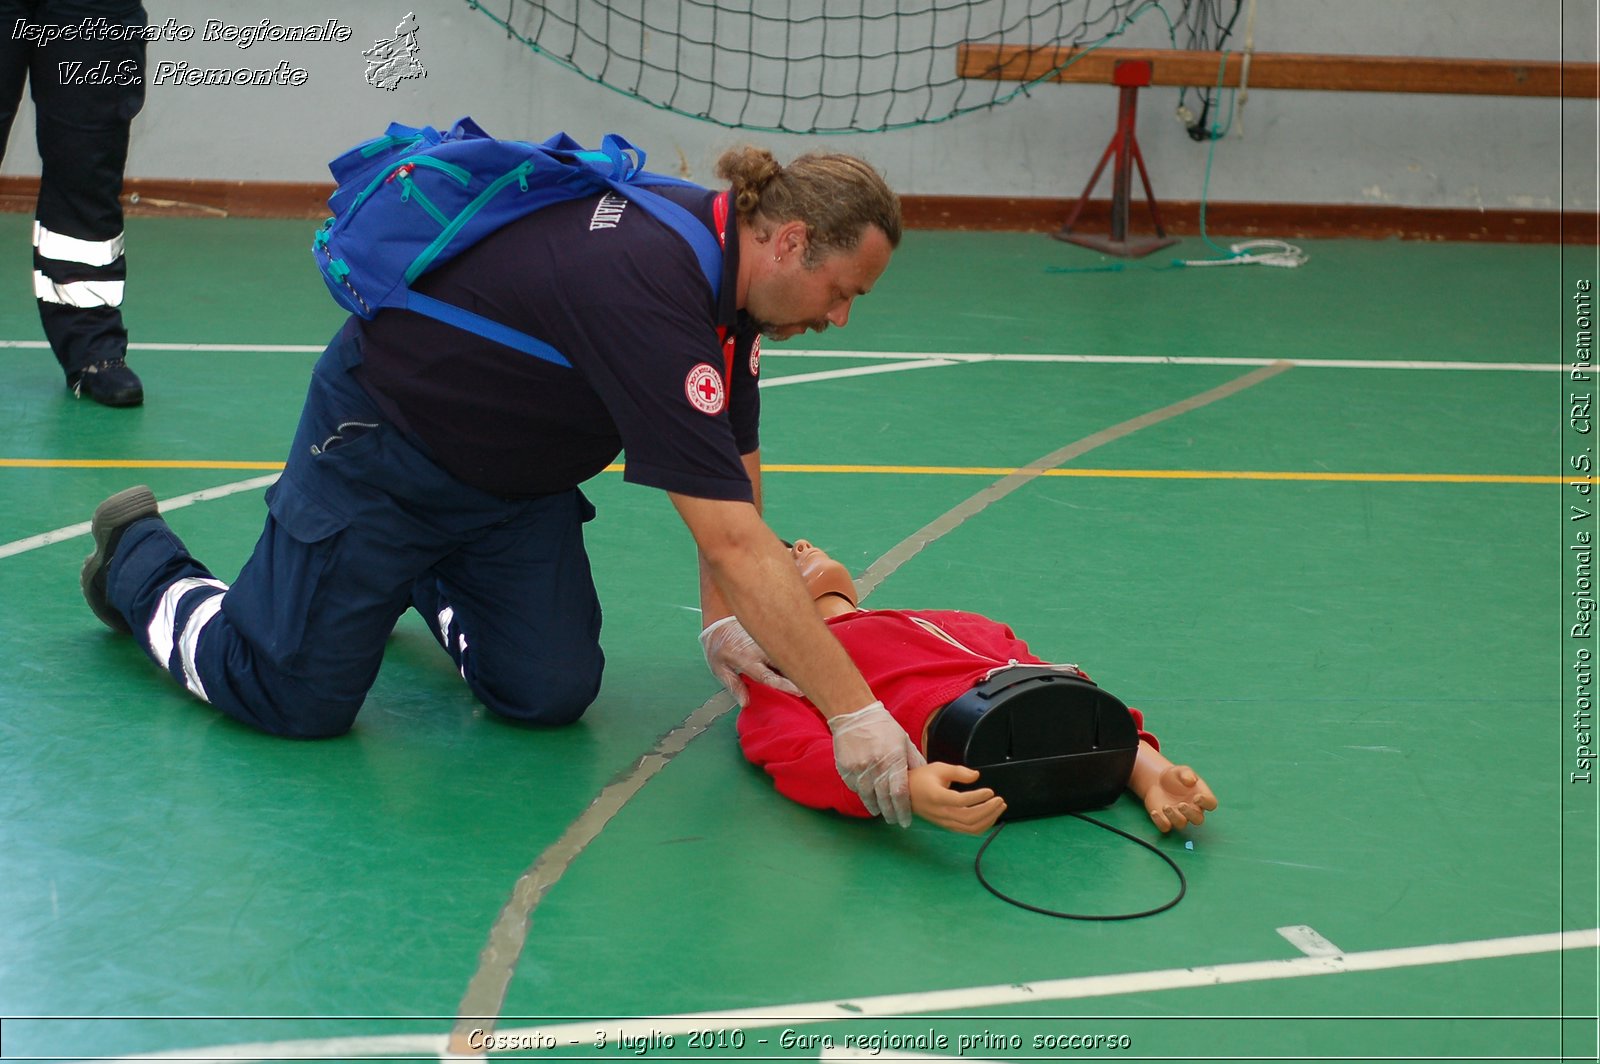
[783, 332]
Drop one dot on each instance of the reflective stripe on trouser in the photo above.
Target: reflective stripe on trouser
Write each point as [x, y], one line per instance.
[185, 608]
[98, 262]
[77, 293]
[53, 245]
[445, 630]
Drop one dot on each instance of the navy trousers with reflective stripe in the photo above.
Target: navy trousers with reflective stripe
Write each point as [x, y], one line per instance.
[83, 111]
[361, 525]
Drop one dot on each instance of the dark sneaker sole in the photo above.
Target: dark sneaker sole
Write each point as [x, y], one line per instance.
[110, 519]
[119, 400]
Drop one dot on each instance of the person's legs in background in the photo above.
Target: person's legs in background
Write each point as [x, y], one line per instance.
[86, 93]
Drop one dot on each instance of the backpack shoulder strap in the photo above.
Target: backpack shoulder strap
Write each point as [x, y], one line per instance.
[707, 250]
[488, 328]
[706, 247]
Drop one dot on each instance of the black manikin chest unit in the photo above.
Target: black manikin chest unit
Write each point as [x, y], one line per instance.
[1046, 741]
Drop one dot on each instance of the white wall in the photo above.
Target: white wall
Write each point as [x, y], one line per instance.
[1415, 150]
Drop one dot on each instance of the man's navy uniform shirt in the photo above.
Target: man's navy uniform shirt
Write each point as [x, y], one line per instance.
[621, 296]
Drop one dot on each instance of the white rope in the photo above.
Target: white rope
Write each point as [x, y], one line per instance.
[1257, 253]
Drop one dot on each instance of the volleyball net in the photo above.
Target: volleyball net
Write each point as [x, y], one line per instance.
[833, 66]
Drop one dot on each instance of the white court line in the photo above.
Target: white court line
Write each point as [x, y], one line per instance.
[958, 356]
[44, 539]
[856, 371]
[281, 349]
[924, 1004]
[1182, 360]
[1308, 941]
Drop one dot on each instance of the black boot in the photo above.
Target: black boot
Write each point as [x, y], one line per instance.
[111, 519]
[110, 383]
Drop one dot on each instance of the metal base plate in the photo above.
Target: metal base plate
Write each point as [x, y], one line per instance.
[1132, 248]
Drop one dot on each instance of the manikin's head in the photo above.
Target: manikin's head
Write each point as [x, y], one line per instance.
[827, 580]
[813, 236]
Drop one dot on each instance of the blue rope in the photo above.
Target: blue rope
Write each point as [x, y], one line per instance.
[1211, 154]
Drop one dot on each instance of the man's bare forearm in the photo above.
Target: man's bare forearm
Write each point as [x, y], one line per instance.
[713, 607]
[744, 564]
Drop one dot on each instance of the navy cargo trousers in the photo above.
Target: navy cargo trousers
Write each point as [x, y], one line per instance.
[361, 526]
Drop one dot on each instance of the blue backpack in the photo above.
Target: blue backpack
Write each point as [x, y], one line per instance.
[415, 198]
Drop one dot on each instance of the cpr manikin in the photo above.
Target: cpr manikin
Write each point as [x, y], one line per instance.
[1041, 737]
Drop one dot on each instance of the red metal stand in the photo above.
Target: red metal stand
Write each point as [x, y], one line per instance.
[1130, 76]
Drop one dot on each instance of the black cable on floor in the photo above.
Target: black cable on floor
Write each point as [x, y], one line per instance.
[1183, 884]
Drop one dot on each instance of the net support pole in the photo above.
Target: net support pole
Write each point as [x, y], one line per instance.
[1129, 76]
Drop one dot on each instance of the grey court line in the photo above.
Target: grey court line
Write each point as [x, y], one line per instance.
[485, 995]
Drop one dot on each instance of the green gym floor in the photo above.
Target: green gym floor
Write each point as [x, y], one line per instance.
[1312, 522]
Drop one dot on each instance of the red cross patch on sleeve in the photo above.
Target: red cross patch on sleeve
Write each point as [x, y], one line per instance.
[704, 388]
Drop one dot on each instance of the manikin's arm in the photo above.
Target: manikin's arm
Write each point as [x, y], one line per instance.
[936, 801]
[1173, 795]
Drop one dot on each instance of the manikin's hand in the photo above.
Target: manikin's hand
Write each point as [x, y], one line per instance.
[935, 800]
[1178, 798]
[730, 650]
[873, 755]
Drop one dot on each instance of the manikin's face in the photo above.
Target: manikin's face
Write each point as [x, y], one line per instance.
[822, 575]
[790, 298]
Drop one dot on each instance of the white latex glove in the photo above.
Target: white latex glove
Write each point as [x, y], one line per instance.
[730, 650]
[873, 755]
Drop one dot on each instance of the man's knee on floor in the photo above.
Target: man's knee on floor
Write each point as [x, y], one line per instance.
[550, 698]
[307, 718]
[309, 729]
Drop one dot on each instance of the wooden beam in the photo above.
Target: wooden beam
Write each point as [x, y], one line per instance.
[1289, 70]
[190, 198]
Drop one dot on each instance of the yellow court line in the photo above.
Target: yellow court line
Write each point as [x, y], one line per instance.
[1179, 474]
[129, 463]
[906, 470]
